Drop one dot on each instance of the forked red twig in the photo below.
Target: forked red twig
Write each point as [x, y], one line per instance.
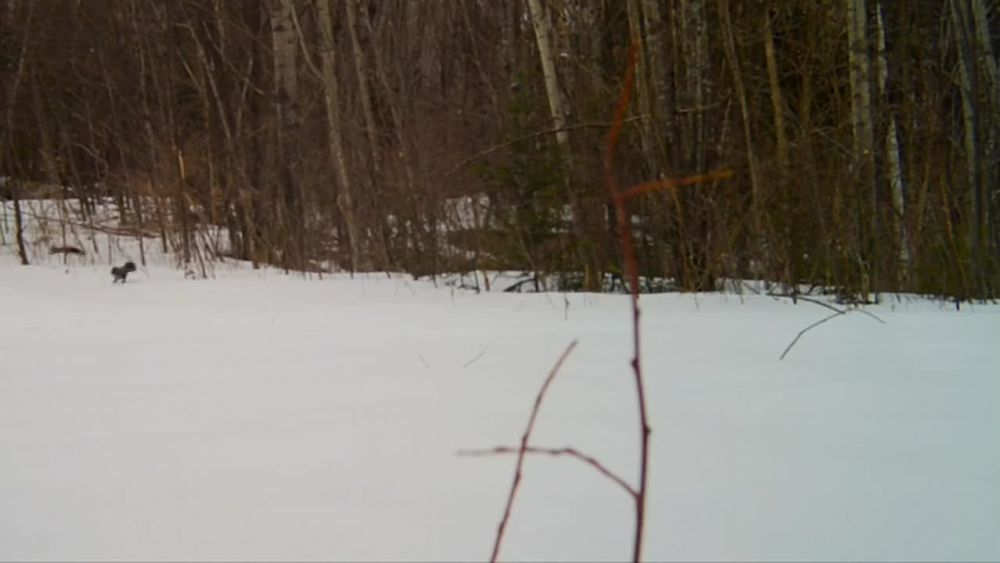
[621, 198]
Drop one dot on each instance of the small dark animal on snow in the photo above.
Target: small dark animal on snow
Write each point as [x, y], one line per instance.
[121, 272]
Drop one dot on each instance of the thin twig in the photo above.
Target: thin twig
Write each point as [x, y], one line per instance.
[490, 150]
[751, 288]
[807, 299]
[672, 183]
[807, 329]
[111, 230]
[571, 452]
[523, 449]
[476, 357]
[829, 306]
[866, 313]
[836, 313]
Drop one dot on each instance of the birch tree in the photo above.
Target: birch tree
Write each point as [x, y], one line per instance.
[893, 149]
[542, 24]
[345, 195]
[16, 71]
[859, 72]
[286, 97]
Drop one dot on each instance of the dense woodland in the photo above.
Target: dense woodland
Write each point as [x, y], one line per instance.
[439, 136]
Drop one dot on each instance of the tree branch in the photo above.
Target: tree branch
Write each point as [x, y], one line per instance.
[807, 329]
[621, 200]
[556, 452]
[523, 450]
[529, 136]
[836, 313]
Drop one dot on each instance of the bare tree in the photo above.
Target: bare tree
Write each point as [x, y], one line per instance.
[729, 41]
[16, 70]
[284, 45]
[975, 57]
[542, 24]
[345, 195]
[893, 149]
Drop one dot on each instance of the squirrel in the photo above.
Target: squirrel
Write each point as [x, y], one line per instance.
[121, 272]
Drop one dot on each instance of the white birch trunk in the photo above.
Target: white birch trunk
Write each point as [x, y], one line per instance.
[859, 69]
[543, 34]
[700, 68]
[285, 56]
[893, 154]
[345, 196]
[584, 216]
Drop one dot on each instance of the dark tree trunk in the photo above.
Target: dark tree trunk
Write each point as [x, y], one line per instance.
[19, 228]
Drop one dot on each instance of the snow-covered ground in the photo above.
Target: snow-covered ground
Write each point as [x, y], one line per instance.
[258, 416]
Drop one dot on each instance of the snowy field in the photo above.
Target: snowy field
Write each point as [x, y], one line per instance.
[259, 416]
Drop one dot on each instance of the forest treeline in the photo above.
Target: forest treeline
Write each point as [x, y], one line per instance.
[454, 135]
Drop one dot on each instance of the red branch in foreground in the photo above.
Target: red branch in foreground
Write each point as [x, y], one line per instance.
[620, 201]
[621, 198]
